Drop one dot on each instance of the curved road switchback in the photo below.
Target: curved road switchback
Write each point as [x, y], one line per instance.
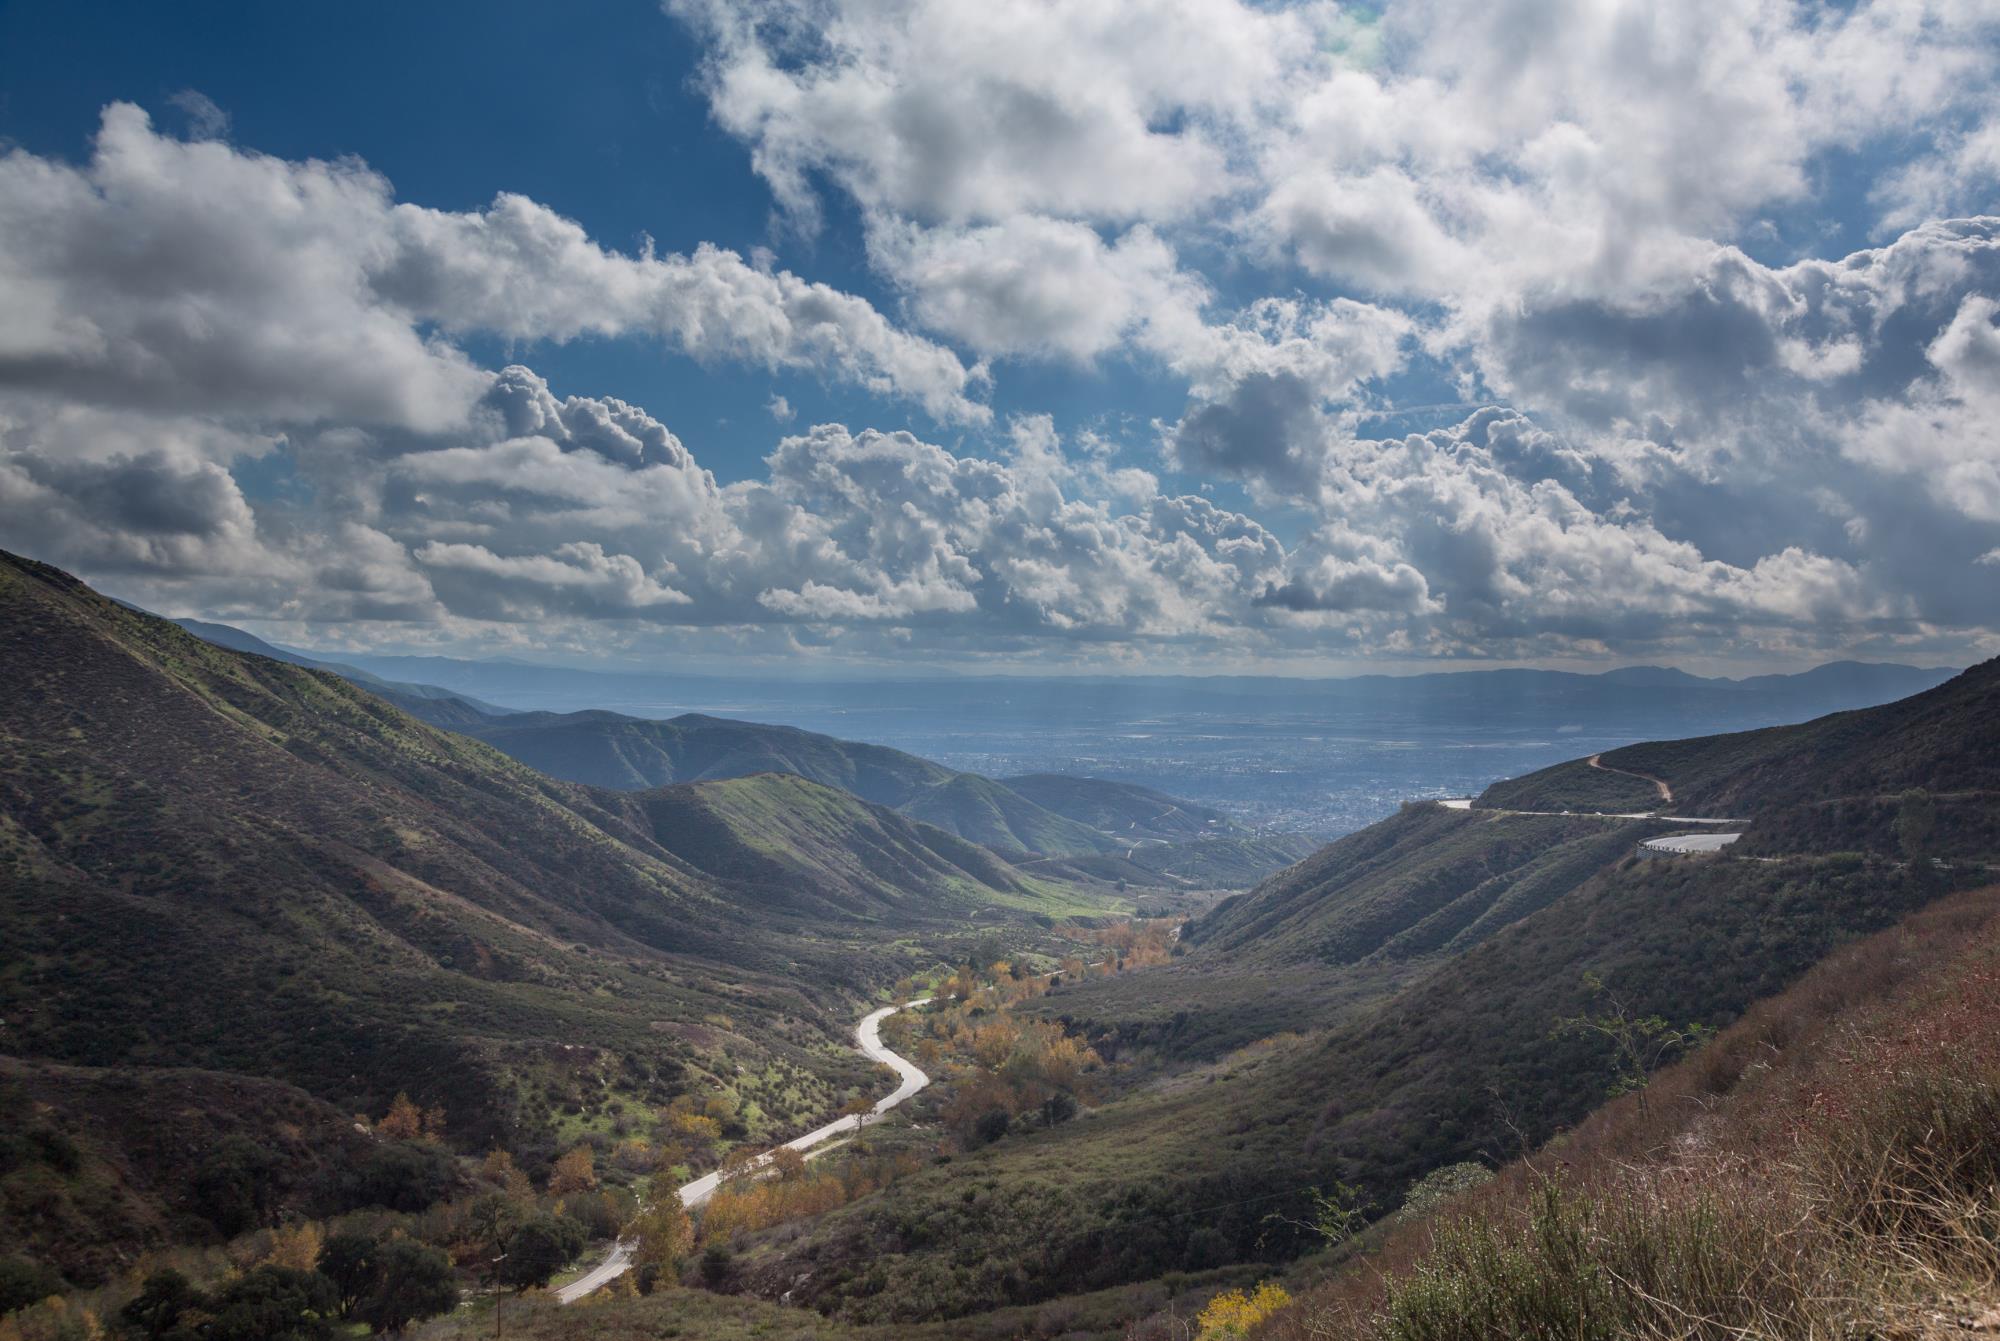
[868, 1037]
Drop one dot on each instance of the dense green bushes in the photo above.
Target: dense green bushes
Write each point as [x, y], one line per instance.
[23, 1282]
[540, 1247]
[269, 1303]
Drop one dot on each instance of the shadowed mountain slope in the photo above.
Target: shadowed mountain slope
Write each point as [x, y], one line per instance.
[221, 860]
[1423, 882]
[428, 701]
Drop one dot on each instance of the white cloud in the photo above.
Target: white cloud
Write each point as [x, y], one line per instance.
[1453, 525]
[190, 278]
[1263, 384]
[195, 278]
[206, 120]
[1942, 432]
[523, 271]
[576, 578]
[1034, 285]
[956, 114]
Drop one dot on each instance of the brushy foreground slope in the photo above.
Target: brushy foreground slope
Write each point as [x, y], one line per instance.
[97, 1166]
[1828, 1166]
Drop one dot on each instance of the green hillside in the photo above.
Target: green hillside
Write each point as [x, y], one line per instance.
[986, 812]
[611, 750]
[608, 749]
[1204, 863]
[787, 843]
[215, 860]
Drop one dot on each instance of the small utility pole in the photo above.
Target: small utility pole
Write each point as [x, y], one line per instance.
[493, 1267]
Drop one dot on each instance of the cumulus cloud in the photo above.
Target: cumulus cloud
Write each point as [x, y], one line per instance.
[524, 271]
[1574, 213]
[1581, 150]
[1885, 357]
[1459, 533]
[577, 578]
[187, 277]
[149, 513]
[1035, 285]
[892, 527]
[206, 120]
[957, 114]
[1494, 537]
[194, 278]
[550, 508]
[1263, 384]
[1344, 586]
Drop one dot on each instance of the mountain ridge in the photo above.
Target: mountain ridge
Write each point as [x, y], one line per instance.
[1810, 786]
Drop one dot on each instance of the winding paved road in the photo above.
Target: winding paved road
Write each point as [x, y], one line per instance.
[868, 1037]
[1465, 803]
[1689, 844]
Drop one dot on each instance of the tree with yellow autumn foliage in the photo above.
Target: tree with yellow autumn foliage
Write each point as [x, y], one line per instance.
[747, 1205]
[576, 1171]
[1233, 1313]
[296, 1246]
[662, 1237]
[403, 1122]
[499, 1169]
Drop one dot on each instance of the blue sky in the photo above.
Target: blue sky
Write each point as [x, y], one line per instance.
[1186, 334]
[456, 103]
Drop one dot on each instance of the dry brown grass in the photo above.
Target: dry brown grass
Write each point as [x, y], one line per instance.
[1828, 1168]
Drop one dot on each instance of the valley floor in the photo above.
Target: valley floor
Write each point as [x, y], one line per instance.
[695, 1194]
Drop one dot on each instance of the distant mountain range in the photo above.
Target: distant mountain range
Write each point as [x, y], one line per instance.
[1649, 691]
